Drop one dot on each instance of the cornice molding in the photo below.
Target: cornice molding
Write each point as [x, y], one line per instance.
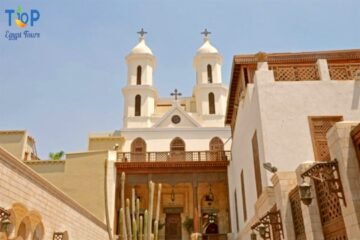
[300, 57]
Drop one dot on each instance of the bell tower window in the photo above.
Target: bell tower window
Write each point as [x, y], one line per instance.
[138, 75]
[211, 103]
[209, 73]
[137, 105]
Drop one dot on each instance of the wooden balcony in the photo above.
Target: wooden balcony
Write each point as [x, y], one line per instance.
[174, 156]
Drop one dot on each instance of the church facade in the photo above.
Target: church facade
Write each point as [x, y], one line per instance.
[178, 141]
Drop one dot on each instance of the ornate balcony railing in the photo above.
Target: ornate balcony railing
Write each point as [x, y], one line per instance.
[175, 156]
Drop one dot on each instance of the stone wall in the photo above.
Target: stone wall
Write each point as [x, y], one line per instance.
[42, 204]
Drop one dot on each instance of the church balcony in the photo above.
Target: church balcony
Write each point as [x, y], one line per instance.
[173, 161]
[174, 156]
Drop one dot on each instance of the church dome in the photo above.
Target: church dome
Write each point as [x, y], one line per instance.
[207, 48]
[141, 48]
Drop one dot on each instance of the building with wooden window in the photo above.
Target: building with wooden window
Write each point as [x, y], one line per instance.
[294, 172]
[178, 141]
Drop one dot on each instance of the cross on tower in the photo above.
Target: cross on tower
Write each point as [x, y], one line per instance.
[206, 33]
[142, 33]
[176, 94]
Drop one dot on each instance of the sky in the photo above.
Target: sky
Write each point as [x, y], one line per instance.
[67, 84]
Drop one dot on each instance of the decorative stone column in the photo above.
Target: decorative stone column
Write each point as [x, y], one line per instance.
[323, 69]
[262, 73]
[311, 215]
[342, 149]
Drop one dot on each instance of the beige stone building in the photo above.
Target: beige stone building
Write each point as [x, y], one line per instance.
[294, 172]
[31, 208]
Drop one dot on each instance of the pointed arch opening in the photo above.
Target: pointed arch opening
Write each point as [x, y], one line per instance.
[209, 73]
[138, 150]
[211, 103]
[138, 75]
[137, 105]
[216, 147]
[24, 228]
[38, 233]
[177, 149]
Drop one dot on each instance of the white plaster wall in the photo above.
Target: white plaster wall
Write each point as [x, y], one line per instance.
[248, 120]
[158, 140]
[285, 107]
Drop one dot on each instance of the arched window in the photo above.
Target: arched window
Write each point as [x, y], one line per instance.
[211, 103]
[137, 105]
[177, 150]
[138, 75]
[138, 150]
[216, 147]
[209, 73]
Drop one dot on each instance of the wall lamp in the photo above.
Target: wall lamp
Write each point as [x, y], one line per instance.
[327, 172]
[4, 219]
[271, 218]
[209, 198]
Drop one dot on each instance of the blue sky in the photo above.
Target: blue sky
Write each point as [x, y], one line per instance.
[68, 83]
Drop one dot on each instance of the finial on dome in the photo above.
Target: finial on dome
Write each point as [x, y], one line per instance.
[142, 34]
[206, 34]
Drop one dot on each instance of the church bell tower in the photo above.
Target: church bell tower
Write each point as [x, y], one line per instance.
[209, 91]
[139, 94]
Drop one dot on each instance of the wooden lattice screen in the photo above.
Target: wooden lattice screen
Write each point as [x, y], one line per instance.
[329, 205]
[331, 217]
[298, 221]
[295, 72]
[343, 71]
[319, 126]
[275, 229]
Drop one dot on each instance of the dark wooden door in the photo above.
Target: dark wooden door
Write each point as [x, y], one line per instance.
[173, 226]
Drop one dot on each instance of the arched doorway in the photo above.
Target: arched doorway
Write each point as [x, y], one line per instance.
[22, 231]
[38, 232]
[138, 150]
[216, 147]
[177, 150]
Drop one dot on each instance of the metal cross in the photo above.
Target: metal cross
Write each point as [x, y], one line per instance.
[205, 33]
[142, 33]
[176, 94]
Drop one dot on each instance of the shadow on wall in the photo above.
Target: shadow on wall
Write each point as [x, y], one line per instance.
[356, 95]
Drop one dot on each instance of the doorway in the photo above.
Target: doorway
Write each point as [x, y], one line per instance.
[173, 226]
